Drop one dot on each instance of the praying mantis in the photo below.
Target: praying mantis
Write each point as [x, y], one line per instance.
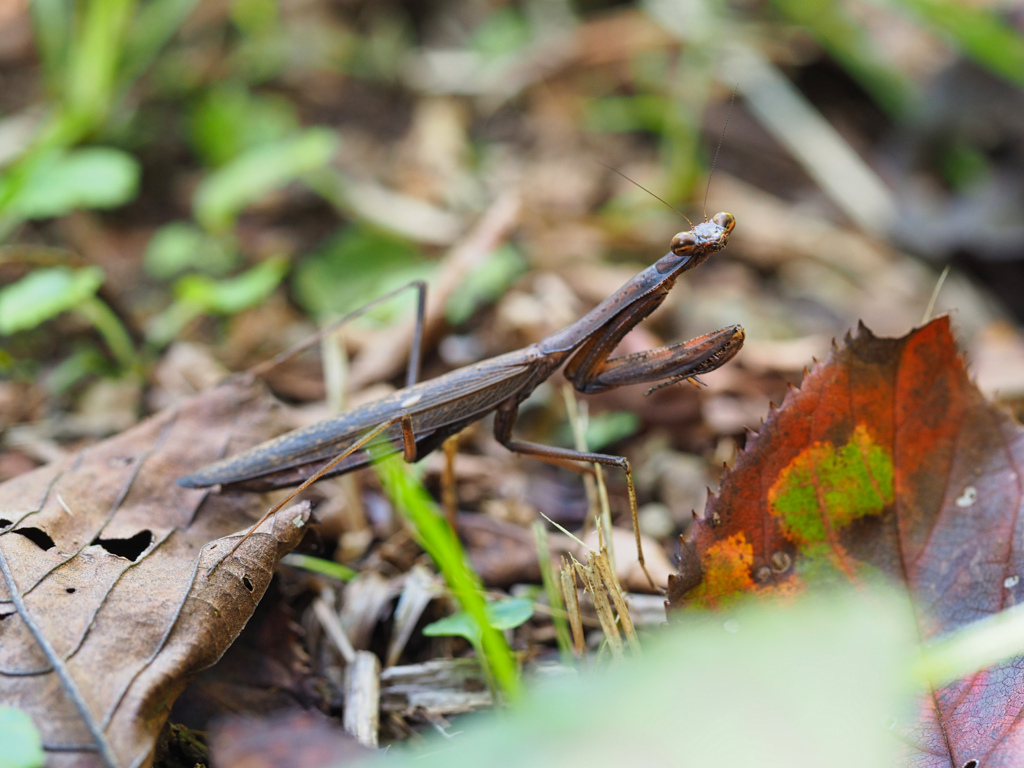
[417, 419]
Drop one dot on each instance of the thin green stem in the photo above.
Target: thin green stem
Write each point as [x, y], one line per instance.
[321, 566]
[113, 332]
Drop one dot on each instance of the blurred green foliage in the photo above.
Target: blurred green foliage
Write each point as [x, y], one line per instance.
[504, 32]
[198, 294]
[229, 119]
[92, 53]
[485, 284]
[851, 46]
[44, 294]
[252, 175]
[251, 142]
[977, 32]
[59, 181]
[354, 266]
[47, 293]
[181, 246]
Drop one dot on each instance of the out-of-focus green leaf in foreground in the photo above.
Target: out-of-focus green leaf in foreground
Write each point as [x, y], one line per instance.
[20, 745]
[823, 681]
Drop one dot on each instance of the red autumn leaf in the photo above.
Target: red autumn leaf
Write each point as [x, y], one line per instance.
[886, 459]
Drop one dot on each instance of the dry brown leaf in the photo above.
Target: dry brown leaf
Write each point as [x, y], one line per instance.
[107, 606]
[265, 670]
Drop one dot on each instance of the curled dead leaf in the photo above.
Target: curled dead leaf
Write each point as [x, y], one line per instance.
[108, 602]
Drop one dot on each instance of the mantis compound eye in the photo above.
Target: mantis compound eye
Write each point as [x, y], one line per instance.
[725, 220]
[683, 243]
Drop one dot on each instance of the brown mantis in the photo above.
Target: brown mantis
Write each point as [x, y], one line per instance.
[422, 415]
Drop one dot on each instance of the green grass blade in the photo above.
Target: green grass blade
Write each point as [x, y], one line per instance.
[850, 45]
[438, 539]
[978, 33]
[51, 22]
[93, 62]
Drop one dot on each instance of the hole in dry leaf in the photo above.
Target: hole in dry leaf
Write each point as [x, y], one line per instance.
[247, 583]
[128, 548]
[4, 522]
[70, 590]
[971, 764]
[4, 613]
[37, 536]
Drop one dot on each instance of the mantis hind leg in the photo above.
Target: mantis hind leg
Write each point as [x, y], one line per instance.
[504, 420]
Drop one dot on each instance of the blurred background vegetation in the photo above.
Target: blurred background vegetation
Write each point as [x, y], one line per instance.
[190, 188]
[169, 166]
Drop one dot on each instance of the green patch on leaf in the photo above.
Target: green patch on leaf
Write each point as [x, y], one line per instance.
[825, 488]
[726, 567]
[819, 563]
